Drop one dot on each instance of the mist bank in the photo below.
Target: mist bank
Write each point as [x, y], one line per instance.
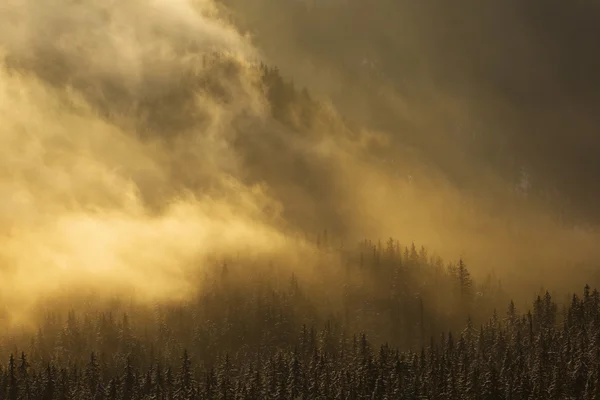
[137, 142]
[117, 169]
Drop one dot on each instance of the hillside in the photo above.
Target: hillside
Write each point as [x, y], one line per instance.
[223, 199]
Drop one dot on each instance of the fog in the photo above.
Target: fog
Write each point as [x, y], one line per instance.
[136, 141]
[508, 85]
[498, 99]
[96, 194]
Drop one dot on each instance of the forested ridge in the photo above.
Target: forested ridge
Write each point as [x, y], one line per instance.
[181, 219]
[377, 320]
[249, 334]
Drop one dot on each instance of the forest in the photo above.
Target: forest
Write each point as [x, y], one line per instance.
[223, 199]
[403, 326]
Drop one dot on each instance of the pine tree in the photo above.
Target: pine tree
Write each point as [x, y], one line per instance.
[13, 381]
[129, 381]
[92, 374]
[49, 390]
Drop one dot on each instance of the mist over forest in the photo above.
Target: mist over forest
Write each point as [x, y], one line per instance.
[299, 199]
[511, 85]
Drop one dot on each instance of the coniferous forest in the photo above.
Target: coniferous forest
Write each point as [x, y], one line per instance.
[223, 199]
[261, 338]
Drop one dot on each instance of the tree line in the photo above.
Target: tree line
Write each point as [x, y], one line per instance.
[369, 325]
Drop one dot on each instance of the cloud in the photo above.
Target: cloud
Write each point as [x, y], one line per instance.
[136, 141]
[468, 96]
[116, 166]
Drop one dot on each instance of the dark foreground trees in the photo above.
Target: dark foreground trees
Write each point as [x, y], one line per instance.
[528, 356]
[367, 326]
